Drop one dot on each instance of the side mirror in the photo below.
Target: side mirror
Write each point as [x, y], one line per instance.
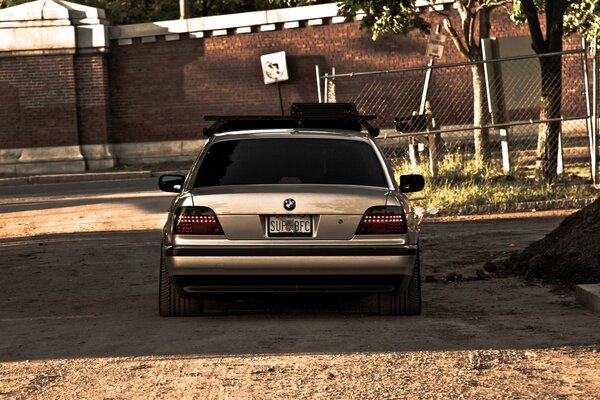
[411, 183]
[171, 183]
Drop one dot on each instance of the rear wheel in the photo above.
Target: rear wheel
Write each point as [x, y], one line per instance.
[170, 302]
[407, 302]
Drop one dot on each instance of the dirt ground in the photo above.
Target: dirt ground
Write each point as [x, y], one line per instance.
[569, 254]
[78, 320]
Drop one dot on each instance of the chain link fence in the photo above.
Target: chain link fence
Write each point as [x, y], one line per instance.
[524, 118]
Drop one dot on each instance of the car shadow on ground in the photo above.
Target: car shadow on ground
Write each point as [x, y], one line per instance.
[95, 295]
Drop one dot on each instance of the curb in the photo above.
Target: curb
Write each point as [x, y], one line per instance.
[589, 297]
[156, 174]
[529, 206]
[83, 177]
[14, 181]
[86, 177]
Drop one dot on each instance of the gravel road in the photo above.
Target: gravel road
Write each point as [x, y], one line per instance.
[78, 319]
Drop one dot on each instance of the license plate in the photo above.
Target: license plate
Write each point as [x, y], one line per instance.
[289, 225]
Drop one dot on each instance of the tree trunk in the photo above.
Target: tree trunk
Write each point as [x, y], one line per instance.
[481, 136]
[550, 105]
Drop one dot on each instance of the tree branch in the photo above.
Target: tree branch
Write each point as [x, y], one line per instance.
[456, 39]
[491, 5]
[466, 19]
[472, 42]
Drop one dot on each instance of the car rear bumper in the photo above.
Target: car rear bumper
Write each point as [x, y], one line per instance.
[218, 284]
[290, 260]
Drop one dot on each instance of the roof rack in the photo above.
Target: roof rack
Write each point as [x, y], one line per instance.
[302, 115]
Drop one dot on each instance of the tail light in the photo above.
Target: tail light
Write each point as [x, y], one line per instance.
[196, 221]
[382, 220]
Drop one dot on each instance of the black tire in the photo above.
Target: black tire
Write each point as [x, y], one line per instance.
[407, 302]
[170, 302]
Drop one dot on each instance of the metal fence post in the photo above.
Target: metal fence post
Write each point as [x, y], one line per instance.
[326, 89]
[588, 120]
[319, 96]
[412, 153]
[434, 141]
[559, 157]
[494, 91]
[595, 176]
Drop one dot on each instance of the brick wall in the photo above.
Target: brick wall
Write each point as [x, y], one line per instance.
[161, 90]
[37, 101]
[92, 98]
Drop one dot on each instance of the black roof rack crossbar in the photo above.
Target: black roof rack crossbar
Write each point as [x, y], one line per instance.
[303, 115]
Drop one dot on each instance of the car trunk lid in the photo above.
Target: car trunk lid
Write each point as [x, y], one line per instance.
[334, 211]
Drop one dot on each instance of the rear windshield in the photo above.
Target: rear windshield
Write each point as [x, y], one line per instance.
[290, 161]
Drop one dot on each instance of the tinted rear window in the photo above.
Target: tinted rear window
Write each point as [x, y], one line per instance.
[290, 161]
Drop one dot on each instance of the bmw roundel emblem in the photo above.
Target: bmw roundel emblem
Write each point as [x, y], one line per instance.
[289, 204]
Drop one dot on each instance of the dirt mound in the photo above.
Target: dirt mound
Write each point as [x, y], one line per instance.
[569, 255]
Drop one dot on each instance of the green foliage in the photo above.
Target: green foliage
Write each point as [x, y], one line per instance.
[581, 16]
[385, 16]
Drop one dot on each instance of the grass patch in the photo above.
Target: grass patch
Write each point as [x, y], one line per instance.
[461, 183]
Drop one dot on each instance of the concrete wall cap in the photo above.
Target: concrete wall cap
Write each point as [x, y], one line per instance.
[52, 26]
[51, 10]
[221, 22]
[148, 29]
[88, 12]
[232, 22]
[35, 10]
[25, 39]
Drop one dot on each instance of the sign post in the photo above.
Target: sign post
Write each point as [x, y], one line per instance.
[274, 69]
[435, 49]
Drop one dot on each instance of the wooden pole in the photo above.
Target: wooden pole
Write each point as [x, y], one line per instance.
[280, 99]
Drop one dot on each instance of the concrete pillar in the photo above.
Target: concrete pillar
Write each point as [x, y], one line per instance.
[53, 68]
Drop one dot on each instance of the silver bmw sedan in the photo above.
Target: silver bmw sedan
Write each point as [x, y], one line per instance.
[303, 210]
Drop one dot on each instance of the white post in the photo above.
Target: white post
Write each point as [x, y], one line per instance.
[588, 121]
[184, 9]
[505, 154]
[493, 92]
[326, 87]
[595, 177]
[318, 84]
[427, 78]
[559, 159]
[412, 153]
